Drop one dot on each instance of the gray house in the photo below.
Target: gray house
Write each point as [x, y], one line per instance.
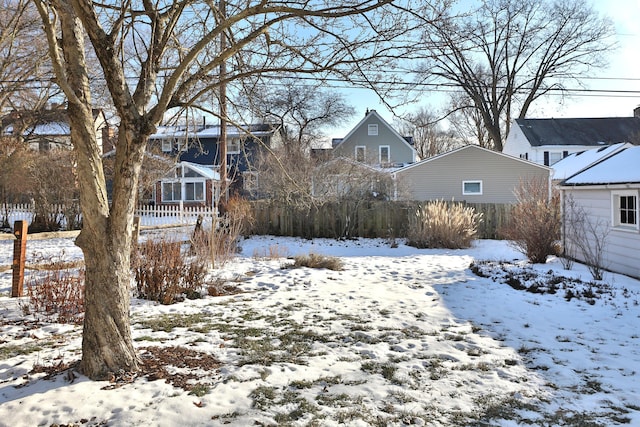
[470, 173]
[547, 141]
[374, 142]
[607, 194]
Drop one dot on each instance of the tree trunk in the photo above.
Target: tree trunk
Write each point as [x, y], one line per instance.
[105, 239]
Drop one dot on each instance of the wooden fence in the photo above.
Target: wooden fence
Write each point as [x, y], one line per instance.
[359, 219]
[335, 220]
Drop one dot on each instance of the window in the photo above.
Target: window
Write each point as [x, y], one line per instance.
[233, 146]
[625, 209]
[551, 157]
[167, 146]
[361, 152]
[194, 191]
[472, 188]
[384, 155]
[250, 182]
[372, 130]
[171, 192]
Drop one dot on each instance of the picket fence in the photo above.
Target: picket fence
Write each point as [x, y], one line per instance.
[150, 216]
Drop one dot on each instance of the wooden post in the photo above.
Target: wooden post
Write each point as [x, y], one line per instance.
[19, 257]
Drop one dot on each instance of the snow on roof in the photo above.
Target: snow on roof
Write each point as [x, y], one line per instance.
[574, 163]
[621, 168]
[205, 171]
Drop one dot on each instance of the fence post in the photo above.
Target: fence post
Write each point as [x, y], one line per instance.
[19, 254]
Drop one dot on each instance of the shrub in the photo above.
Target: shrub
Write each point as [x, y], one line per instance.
[317, 261]
[440, 224]
[163, 274]
[59, 295]
[534, 229]
[226, 232]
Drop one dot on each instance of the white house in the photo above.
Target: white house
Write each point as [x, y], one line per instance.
[547, 141]
[574, 163]
[607, 192]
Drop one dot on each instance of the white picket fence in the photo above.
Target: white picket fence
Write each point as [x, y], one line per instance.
[150, 216]
[169, 215]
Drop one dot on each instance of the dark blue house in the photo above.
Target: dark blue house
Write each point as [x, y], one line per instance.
[200, 145]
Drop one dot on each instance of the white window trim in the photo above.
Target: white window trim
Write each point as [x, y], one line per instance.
[231, 143]
[183, 190]
[469, 193]
[380, 154]
[250, 181]
[615, 210]
[364, 153]
[372, 129]
[167, 146]
[168, 181]
[194, 181]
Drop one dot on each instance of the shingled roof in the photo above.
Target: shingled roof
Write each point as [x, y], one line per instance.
[595, 132]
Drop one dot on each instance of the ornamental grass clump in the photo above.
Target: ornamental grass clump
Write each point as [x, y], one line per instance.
[441, 224]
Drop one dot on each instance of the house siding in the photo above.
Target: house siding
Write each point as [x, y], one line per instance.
[399, 150]
[442, 178]
[622, 249]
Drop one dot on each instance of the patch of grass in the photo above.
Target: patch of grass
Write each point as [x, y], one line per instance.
[168, 322]
[199, 390]
[10, 350]
[148, 338]
[387, 370]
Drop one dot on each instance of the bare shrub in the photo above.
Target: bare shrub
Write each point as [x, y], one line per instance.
[313, 260]
[58, 295]
[585, 235]
[440, 224]
[272, 252]
[534, 229]
[227, 230]
[162, 273]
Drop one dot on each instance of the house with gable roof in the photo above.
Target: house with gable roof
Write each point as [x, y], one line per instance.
[49, 128]
[374, 142]
[547, 141]
[470, 174]
[197, 148]
[607, 194]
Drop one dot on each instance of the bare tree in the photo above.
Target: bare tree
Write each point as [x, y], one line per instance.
[25, 71]
[584, 237]
[173, 59]
[429, 137]
[506, 54]
[304, 111]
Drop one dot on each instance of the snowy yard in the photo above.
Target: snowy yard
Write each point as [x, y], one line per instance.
[399, 336]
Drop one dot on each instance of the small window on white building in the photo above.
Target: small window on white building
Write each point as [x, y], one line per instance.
[167, 146]
[472, 188]
[372, 130]
[361, 153]
[625, 209]
[385, 154]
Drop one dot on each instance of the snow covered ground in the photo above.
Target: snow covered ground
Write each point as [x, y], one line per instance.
[399, 336]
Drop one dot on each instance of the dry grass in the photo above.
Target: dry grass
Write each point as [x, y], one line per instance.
[440, 224]
[313, 260]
